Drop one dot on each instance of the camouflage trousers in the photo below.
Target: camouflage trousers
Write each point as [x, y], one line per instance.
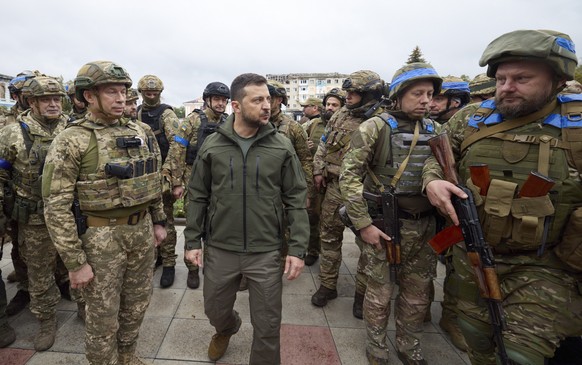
[167, 249]
[542, 305]
[17, 261]
[314, 213]
[40, 257]
[331, 235]
[417, 270]
[117, 298]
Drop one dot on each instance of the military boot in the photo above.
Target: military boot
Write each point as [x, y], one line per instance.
[167, 278]
[358, 308]
[7, 335]
[193, 281]
[18, 303]
[374, 360]
[45, 337]
[311, 259]
[219, 343]
[322, 295]
[411, 359]
[450, 325]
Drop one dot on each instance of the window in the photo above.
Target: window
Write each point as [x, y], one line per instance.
[311, 81]
[329, 81]
[303, 82]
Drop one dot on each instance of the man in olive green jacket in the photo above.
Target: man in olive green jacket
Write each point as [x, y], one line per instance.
[246, 181]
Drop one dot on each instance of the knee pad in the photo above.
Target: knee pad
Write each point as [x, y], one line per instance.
[520, 355]
[477, 334]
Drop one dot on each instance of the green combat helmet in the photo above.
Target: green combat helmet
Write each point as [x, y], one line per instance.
[150, 83]
[572, 87]
[131, 94]
[42, 86]
[312, 101]
[277, 89]
[363, 81]
[97, 73]
[336, 93]
[482, 85]
[553, 48]
[455, 87]
[411, 73]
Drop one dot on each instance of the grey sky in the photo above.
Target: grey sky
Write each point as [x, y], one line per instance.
[191, 43]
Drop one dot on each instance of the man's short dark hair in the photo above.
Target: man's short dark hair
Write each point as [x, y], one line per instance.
[241, 81]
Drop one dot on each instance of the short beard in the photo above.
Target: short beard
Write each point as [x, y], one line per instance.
[526, 106]
[328, 114]
[252, 122]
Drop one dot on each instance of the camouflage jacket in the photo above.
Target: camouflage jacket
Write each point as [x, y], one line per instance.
[70, 157]
[354, 173]
[295, 132]
[315, 129]
[10, 116]
[17, 160]
[187, 136]
[336, 140]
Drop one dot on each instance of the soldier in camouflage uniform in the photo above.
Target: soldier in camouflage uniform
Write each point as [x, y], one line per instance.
[364, 89]
[389, 151]
[183, 151]
[166, 125]
[111, 165]
[482, 87]
[528, 126]
[130, 111]
[15, 89]
[23, 147]
[79, 109]
[453, 96]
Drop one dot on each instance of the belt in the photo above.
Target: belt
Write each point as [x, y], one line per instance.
[415, 216]
[130, 220]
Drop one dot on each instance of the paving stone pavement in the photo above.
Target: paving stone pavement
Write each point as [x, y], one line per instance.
[176, 331]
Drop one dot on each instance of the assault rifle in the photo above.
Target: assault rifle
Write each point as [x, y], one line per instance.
[387, 221]
[478, 251]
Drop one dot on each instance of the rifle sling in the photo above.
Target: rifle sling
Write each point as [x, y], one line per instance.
[485, 132]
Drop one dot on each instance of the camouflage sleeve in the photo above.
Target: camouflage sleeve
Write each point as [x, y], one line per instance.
[354, 167]
[60, 174]
[8, 155]
[175, 161]
[318, 164]
[455, 128]
[303, 153]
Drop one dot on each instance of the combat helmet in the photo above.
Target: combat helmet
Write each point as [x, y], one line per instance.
[455, 87]
[70, 89]
[553, 48]
[16, 84]
[151, 83]
[277, 89]
[411, 73]
[482, 85]
[216, 89]
[97, 73]
[572, 87]
[336, 93]
[131, 94]
[363, 81]
[42, 86]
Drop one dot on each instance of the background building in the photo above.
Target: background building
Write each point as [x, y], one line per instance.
[5, 100]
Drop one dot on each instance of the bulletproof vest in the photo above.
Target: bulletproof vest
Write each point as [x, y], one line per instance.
[515, 223]
[152, 117]
[284, 124]
[315, 131]
[337, 139]
[27, 172]
[393, 146]
[127, 172]
[204, 130]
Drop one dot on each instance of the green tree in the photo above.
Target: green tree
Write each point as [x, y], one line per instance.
[465, 78]
[416, 56]
[180, 111]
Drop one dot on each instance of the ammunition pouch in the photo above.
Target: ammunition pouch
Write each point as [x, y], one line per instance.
[119, 171]
[23, 208]
[569, 250]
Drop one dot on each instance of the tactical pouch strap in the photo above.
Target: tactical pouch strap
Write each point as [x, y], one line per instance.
[544, 155]
[497, 221]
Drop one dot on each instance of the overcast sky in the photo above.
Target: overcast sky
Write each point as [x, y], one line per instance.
[191, 43]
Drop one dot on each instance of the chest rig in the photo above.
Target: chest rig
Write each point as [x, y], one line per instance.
[152, 117]
[206, 128]
[127, 171]
[551, 145]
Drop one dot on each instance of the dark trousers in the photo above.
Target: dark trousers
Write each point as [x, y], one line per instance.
[222, 274]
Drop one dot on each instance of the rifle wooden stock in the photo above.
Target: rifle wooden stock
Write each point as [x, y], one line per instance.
[480, 177]
[536, 185]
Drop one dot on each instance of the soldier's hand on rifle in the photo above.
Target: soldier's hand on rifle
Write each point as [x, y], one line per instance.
[319, 182]
[439, 193]
[373, 236]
